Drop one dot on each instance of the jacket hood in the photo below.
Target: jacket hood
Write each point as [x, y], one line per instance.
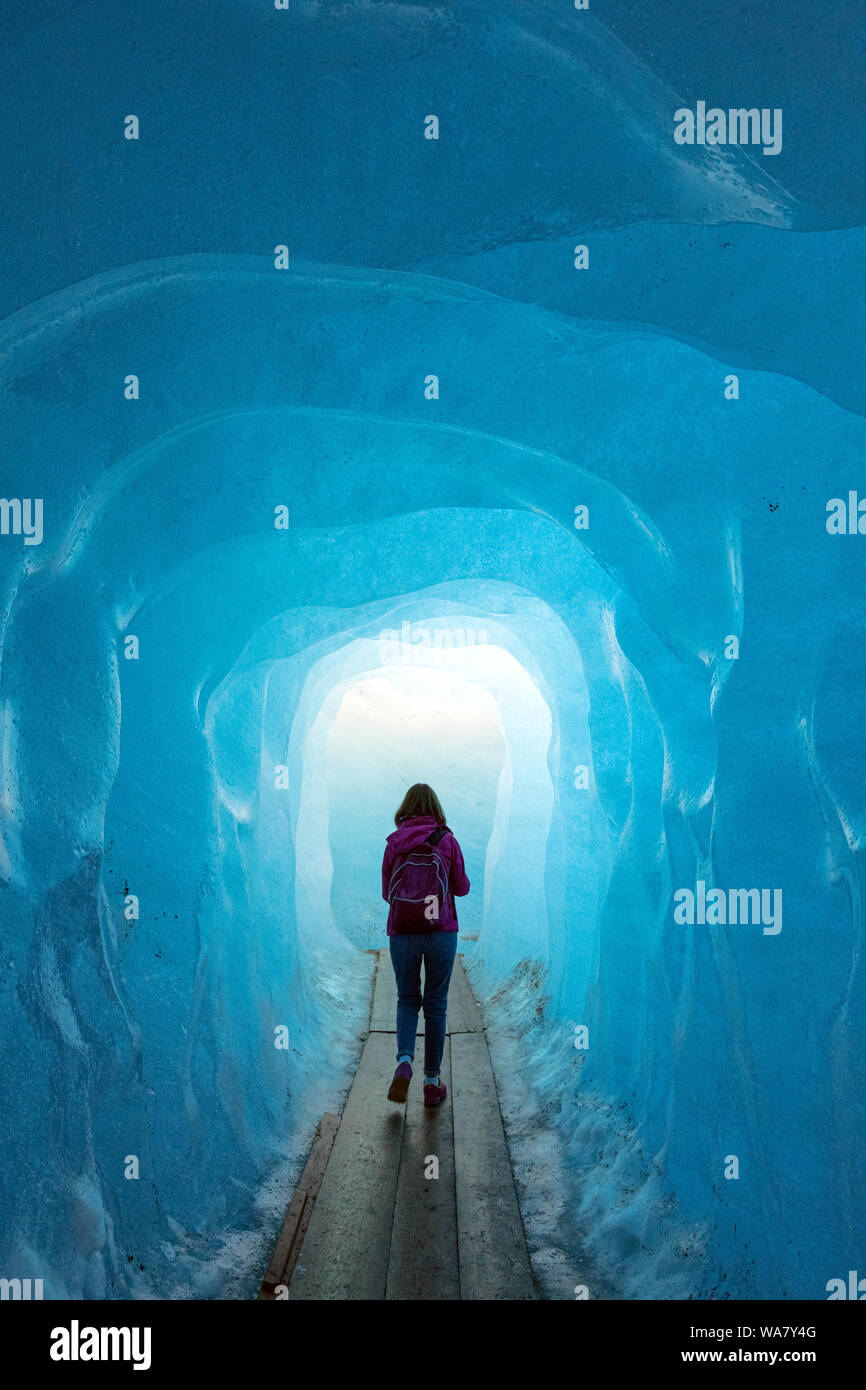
[412, 832]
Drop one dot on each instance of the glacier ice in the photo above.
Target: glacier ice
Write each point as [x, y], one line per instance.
[433, 605]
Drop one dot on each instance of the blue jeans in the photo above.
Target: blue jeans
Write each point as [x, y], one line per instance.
[438, 949]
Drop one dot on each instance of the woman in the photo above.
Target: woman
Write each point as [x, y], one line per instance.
[422, 872]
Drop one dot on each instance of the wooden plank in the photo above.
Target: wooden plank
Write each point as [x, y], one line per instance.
[455, 1019]
[464, 1015]
[283, 1248]
[303, 1226]
[423, 1259]
[383, 1017]
[494, 1263]
[345, 1252]
[311, 1178]
[300, 1207]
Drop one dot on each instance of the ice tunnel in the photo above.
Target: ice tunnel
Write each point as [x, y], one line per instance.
[427, 511]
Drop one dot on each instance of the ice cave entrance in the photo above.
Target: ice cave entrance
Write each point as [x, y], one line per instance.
[469, 720]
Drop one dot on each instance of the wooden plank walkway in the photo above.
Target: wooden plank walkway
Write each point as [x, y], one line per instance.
[300, 1210]
[417, 1204]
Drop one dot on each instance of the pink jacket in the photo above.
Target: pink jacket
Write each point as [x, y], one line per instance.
[412, 832]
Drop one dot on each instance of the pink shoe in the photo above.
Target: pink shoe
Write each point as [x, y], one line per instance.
[434, 1095]
[400, 1085]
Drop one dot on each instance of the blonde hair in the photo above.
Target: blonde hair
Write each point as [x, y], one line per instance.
[420, 800]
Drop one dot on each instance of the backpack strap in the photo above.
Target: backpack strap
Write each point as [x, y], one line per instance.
[437, 834]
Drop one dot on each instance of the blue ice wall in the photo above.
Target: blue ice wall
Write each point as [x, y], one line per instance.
[189, 783]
